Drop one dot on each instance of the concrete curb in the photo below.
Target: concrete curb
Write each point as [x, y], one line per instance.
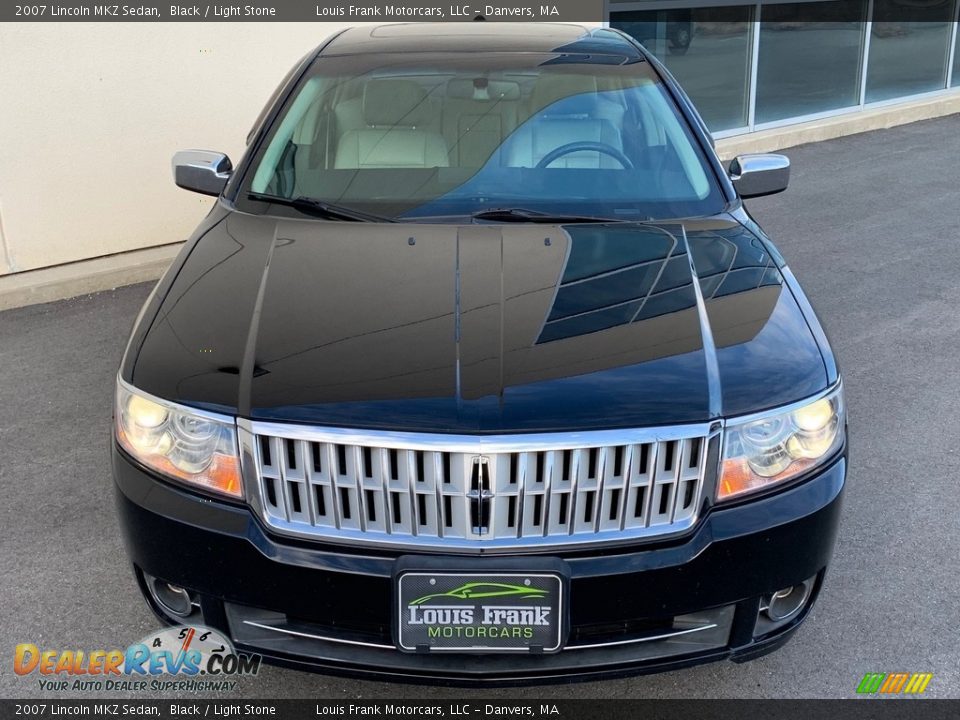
[85, 276]
[879, 118]
[88, 276]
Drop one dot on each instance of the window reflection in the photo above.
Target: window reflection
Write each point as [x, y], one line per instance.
[811, 66]
[620, 275]
[707, 50]
[908, 48]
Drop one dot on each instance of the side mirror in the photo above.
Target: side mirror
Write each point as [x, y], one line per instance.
[201, 171]
[759, 175]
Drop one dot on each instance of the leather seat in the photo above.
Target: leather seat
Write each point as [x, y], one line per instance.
[394, 112]
[478, 114]
[566, 109]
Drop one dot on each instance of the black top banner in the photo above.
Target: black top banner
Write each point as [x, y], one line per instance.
[888, 11]
[304, 11]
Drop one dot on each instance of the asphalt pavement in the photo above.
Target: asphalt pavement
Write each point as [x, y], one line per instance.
[869, 226]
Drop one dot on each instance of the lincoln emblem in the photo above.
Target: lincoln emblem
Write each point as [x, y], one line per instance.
[480, 495]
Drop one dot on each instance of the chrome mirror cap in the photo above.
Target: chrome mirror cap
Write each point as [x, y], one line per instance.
[201, 171]
[760, 174]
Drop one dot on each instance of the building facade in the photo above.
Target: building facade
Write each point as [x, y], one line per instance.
[759, 65]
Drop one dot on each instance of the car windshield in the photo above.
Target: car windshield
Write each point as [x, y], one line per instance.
[434, 136]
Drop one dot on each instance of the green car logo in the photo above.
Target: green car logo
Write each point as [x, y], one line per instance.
[474, 590]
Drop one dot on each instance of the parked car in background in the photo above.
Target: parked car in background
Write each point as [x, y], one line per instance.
[677, 31]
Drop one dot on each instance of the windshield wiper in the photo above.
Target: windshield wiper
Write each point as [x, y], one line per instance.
[320, 208]
[533, 216]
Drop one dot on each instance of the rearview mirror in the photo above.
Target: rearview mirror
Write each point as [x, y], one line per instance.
[202, 171]
[760, 174]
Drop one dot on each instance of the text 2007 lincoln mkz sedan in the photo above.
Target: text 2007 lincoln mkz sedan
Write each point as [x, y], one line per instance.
[479, 371]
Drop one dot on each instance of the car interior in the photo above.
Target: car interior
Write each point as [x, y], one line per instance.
[351, 137]
[404, 122]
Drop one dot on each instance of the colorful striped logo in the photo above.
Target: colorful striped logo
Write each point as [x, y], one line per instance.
[894, 683]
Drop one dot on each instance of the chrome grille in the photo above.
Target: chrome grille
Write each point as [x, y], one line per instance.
[496, 492]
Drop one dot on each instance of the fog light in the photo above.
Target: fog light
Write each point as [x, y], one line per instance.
[172, 598]
[787, 602]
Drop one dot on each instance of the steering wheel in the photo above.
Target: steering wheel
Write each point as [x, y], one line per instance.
[588, 146]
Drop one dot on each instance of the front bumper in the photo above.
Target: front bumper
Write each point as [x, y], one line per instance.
[632, 610]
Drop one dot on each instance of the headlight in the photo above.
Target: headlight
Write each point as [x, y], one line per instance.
[763, 451]
[178, 441]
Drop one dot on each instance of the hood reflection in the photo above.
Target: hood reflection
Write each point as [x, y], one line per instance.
[477, 328]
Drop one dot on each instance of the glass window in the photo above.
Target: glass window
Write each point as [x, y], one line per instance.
[707, 50]
[428, 135]
[810, 66]
[908, 48]
[955, 81]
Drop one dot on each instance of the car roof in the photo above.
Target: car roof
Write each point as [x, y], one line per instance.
[482, 37]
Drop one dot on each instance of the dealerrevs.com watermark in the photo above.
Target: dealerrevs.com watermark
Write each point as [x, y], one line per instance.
[183, 658]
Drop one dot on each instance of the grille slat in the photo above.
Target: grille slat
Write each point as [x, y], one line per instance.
[329, 488]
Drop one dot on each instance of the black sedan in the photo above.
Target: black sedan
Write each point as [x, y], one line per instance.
[479, 371]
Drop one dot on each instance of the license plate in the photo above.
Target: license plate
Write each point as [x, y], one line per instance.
[474, 612]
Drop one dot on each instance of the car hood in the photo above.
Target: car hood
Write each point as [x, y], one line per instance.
[478, 328]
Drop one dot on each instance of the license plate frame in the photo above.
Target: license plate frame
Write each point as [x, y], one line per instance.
[437, 598]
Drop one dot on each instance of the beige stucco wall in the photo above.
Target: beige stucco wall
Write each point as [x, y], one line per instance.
[91, 114]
